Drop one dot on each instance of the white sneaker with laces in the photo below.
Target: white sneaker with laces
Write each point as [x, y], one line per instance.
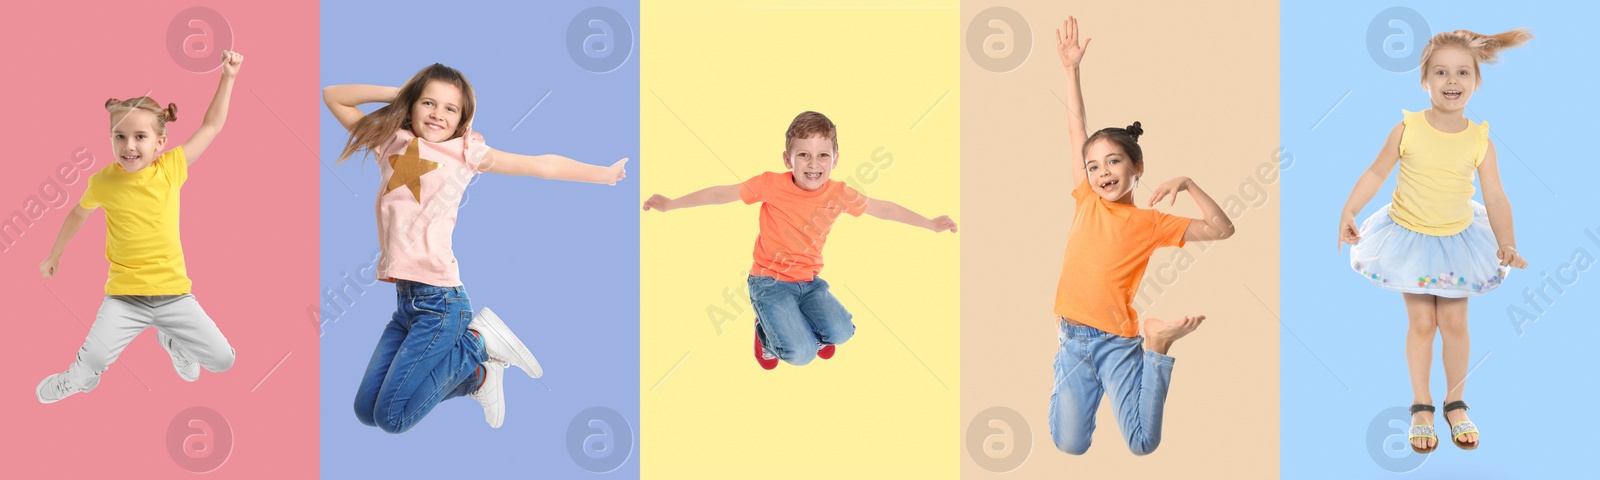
[56, 387]
[492, 394]
[187, 368]
[502, 345]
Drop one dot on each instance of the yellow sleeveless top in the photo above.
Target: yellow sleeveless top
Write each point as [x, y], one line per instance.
[1433, 193]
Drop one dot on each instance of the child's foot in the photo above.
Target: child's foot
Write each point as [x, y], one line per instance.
[187, 368]
[492, 393]
[56, 387]
[825, 351]
[1423, 417]
[1456, 416]
[502, 345]
[1160, 334]
[767, 360]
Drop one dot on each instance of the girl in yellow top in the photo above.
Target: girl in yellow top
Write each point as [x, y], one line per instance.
[1433, 243]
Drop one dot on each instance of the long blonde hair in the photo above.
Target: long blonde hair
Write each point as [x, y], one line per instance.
[1484, 48]
[162, 115]
[375, 129]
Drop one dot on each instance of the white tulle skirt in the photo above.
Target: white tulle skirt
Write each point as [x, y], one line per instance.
[1397, 258]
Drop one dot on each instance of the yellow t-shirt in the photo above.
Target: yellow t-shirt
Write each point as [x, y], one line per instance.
[1433, 193]
[142, 225]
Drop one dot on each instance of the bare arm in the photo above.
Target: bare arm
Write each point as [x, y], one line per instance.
[1499, 207]
[888, 210]
[69, 229]
[1368, 185]
[1071, 56]
[217, 113]
[1214, 224]
[707, 196]
[553, 167]
[342, 100]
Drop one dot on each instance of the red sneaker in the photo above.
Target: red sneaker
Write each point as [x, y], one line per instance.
[826, 352]
[767, 360]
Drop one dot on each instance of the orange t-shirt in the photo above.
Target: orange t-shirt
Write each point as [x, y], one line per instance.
[1108, 247]
[795, 223]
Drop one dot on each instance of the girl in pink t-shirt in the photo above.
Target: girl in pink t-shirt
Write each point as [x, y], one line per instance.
[434, 349]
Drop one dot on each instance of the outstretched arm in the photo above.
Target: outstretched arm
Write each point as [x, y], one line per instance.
[888, 210]
[553, 167]
[1368, 185]
[217, 113]
[707, 196]
[69, 229]
[342, 100]
[1499, 207]
[1214, 224]
[1071, 54]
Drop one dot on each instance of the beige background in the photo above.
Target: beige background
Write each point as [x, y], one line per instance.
[1204, 81]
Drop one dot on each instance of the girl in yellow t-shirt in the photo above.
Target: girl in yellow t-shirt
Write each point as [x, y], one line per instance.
[1433, 243]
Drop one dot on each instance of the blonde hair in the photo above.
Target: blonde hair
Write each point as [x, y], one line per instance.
[162, 115]
[1484, 48]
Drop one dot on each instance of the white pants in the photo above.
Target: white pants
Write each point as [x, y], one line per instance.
[123, 317]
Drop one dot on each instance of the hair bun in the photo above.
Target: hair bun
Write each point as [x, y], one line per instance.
[111, 101]
[172, 112]
[1135, 131]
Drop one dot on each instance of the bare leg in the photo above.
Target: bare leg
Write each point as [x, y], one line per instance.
[1457, 355]
[1421, 309]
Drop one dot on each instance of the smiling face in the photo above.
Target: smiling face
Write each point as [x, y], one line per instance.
[1110, 172]
[1451, 77]
[812, 160]
[436, 114]
[135, 139]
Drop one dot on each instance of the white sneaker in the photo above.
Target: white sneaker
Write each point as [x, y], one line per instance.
[492, 394]
[187, 368]
[502, 345]
[56, 387]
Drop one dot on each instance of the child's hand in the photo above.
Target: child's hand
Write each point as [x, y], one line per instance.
[230, 63]
[658, 203]
[943, 223]
[1347, 231]
[47, 268]
[618, 171]
[1067, 43]
[1171, 187]
[1508, 256]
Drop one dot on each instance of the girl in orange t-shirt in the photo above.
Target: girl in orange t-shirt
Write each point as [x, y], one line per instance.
[1108, 247]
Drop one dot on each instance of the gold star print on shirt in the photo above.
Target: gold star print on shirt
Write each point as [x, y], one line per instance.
[408, 171]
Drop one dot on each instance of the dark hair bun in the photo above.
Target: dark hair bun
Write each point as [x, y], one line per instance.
[172, 112]
[1135, 131]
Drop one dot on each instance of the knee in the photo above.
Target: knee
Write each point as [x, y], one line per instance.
[1453, 324]
[364, 413]
[1424, 323]
[1143, 446]
[1072, 444]
[799, 355]
[219, 361]
[842, 333]
[389, 422]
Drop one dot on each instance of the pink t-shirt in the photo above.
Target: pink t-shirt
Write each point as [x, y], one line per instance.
[422, 186]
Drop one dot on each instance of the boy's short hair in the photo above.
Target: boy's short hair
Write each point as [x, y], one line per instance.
[809, 124]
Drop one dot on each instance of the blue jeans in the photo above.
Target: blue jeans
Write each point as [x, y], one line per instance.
[1091, 362]
[425, 356]
[796, 316]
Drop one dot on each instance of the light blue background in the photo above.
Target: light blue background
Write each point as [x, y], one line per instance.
[557, 260]
[1342, 339]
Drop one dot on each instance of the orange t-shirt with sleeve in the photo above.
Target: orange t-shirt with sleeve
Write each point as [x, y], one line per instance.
[795, 223]
[1108, 248]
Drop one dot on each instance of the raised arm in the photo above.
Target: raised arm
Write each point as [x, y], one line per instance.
[1368, 185]
[217, 113]
[888, 210]
[342, 100]
[1071, 54]
[554, 167]
[707, 196]
[1214, 224]
[69, 229]
[1499, 207]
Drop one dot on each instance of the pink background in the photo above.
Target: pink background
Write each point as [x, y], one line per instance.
[249, 227]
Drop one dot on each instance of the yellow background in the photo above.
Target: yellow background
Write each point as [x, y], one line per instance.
[720, 82]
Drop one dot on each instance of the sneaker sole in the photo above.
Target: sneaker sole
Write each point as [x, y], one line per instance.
[529, 364]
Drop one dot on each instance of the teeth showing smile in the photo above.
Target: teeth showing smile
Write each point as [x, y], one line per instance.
[814, 176]
[433, 126]
[1108, 184]
[130, 157]
[1452, 94]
